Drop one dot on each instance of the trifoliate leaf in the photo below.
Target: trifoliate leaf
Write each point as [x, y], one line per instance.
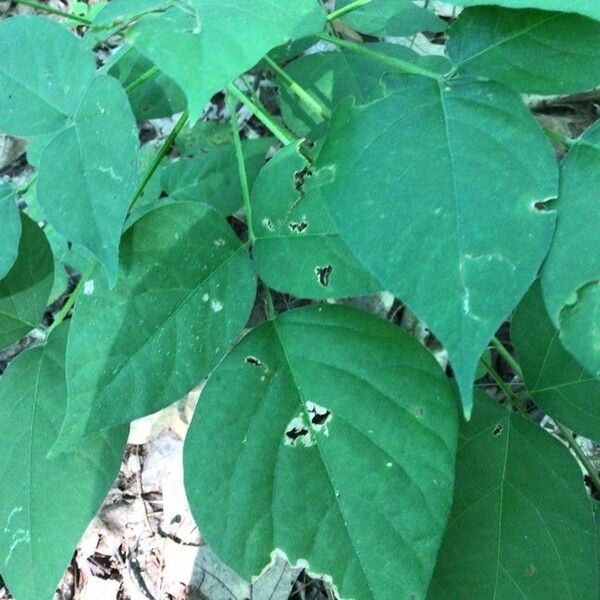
[328, 435]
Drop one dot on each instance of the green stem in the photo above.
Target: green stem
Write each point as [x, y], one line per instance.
[237, 142]
[68, 305]
[340, 12]
[508, 358]
[581, 455]
[397, 63]
[53, 11]
[510, 395]
[271, 312]
[149, 74]
[166, 146]
[284, 136]
[298, 90]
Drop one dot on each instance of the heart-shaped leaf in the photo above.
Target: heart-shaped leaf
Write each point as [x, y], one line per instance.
[328, 435]
[413, 190]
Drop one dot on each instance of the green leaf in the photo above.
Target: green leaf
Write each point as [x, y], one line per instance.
[557, 382]
[25, 289]
[184, 293]
[391, 18]
[297, 248]
[571, 272]
[181, 40]
[529, 50]
[434, 189]
[88, 172]
[521, 524]
[203, 137]
[157, 97]
[329, 435]
[213, 177]
[46, 505]
[10, 232]
[330, 77]
[586, 8]
[43, 73]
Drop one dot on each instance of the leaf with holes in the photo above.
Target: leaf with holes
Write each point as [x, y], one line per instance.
[297, 248]
[529, 50]
[25, 289]
[571, 273]
[213, 177]
[438, 222]
[88, 173]
[398, 18]
[46, 505]
[560, 386]
[10, 233]
[179, 40]
[43, 73]
[328, 435]
[184, 293]
[522, 524]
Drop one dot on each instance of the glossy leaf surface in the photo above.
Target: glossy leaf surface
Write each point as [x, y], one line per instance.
[10, 230]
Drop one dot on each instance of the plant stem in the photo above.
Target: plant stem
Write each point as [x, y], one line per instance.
[284, 136]
[149, 74]
[298, 90]
[64, 311]
[271, 312]
[508, 358]
[400, 65]
[510, 395]
[166, 146]
[53, 11]
[237, 142]
[581, 455]
[559, 138]
[340, 12]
